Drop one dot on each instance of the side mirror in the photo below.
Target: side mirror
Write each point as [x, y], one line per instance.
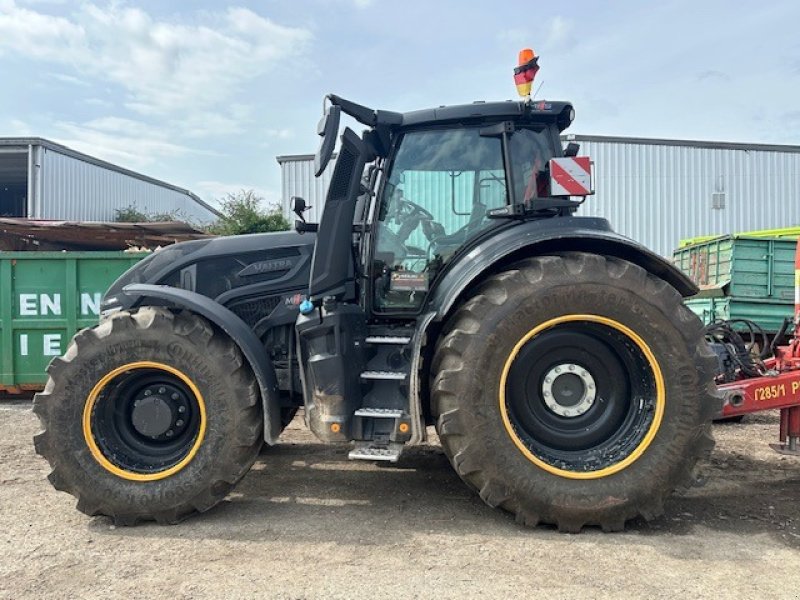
[572, 149]
[298, 206]
[327, 129]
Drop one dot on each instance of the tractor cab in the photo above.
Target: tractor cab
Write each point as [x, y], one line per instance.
[439, 181]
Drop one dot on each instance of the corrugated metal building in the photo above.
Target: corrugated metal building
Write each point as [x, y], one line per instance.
[40, 179]
[297, 179]
[655, 191]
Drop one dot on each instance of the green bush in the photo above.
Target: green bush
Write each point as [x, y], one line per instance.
[131, 214]
[242, 213]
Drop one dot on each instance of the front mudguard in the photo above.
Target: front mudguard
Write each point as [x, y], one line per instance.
[139, 294]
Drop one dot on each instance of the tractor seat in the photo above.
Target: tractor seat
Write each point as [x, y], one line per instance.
[446, 245]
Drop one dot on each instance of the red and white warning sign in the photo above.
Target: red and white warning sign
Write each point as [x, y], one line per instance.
[571, 176]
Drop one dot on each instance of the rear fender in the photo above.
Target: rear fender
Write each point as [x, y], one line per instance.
[241, 334]
[535, 238]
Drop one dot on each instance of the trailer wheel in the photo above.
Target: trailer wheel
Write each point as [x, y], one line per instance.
[149, 416]
[574, 390]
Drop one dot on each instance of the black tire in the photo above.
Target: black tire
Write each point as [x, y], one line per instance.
[480, 347]
[90, 450]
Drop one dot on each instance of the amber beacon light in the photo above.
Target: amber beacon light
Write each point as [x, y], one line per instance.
[525, 72]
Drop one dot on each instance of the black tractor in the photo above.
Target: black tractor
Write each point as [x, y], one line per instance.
[449, 283]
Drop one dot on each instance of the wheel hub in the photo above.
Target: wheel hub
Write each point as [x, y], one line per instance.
[152, 416]
[159, 411]
[568, 390]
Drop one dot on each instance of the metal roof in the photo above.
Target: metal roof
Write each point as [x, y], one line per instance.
[24, 142]
[685, 143]
[26, 234]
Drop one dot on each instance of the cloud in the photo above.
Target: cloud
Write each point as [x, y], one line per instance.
[282, 134]
[554, 34]
[18, 128]
[134, 144]
[180, 80]
[64, 78]
[514, 37]
[164, 67]
[711, 75]
[202, 123]
[32, 34]
[559, 33]
[100, 102]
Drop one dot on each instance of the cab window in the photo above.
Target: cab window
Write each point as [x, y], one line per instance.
[531, 151]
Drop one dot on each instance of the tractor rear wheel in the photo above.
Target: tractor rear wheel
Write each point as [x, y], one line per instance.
[149, 416]
[574, 390]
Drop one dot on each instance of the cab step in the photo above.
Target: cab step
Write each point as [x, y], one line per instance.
[385, 375]
[379, 413]
[400, 340]
[370, 451]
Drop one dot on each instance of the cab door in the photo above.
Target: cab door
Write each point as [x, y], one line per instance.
[439, 186]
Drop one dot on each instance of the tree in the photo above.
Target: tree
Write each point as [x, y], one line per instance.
[243, 213]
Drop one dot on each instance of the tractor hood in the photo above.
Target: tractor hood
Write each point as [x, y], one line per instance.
[224, 266]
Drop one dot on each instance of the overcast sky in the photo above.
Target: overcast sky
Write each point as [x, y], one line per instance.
[206, 95]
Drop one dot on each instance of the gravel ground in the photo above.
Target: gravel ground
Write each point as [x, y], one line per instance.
[306, 523]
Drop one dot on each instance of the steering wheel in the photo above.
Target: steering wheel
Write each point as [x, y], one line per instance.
[410, 215]
[406, 209]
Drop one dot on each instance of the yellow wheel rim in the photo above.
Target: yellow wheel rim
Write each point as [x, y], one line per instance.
[98, 455]
[639, 450]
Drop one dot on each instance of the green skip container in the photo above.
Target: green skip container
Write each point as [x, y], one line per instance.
[741, 277]
[45, 297]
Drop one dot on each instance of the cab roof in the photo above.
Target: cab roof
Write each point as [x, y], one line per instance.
[558, 112]
[561, 113]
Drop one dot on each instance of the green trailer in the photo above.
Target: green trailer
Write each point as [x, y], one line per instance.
[741, 277]
[768, 314]
[45, 297]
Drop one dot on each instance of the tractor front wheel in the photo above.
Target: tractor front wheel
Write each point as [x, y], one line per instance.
[149, 416]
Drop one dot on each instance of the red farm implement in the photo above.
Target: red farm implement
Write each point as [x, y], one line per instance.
[767, 382]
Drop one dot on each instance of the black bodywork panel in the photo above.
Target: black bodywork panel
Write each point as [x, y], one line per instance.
[252, 275]
[332, 358]
[331, 267]
[249, 286]
[541, 111]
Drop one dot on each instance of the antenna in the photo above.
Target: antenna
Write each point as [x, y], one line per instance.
[538, 89]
